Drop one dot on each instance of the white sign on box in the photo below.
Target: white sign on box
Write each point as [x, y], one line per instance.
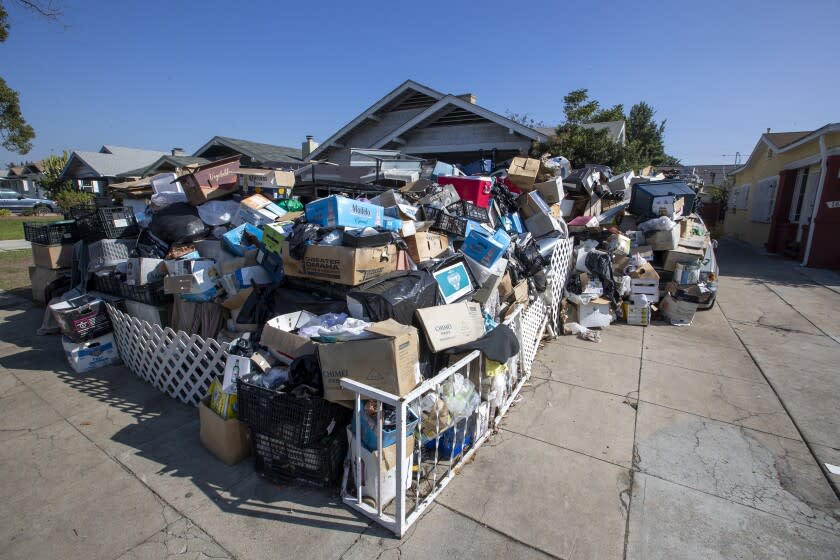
[235, 367]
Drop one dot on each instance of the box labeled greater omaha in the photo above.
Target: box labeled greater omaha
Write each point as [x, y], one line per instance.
[389, 362]
[342, 265]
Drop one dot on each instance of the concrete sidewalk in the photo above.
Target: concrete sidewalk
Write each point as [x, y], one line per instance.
[14, 244]
[659, 442]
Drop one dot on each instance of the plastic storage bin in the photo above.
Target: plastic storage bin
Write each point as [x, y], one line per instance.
[118, 221]
[52, 233]
[109, 252]
[642, 195]
[298, 421]
[82, 318]
[469, 210]
[473, 189]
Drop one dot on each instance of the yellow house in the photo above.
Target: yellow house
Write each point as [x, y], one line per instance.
[782, 197]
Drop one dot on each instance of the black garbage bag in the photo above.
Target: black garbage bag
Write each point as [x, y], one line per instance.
[529, 257]
[178, 223]
[305, 370]
[268, 302]
[599, 264]
[504, 198]
[394, 296]
[303, 234]
[150, 246]
[497, 345]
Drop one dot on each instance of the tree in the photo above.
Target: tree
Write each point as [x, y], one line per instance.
[523, 119]
[581, 145]
[53, 167]
[15, 133]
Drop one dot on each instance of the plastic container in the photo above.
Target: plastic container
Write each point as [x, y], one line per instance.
[109, 252]
[469, 210]
[118, 222]
[279, 461]
[52, 233]
[452, 441]
[473, 189]
[453, 225]
[87, 223]
[151, 293]
[389, 436]
[82, 318]
[643, 194]
[297, 421]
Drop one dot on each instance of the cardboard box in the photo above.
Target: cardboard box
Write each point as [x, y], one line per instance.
[277, 336]
[617, 243]
[542, 224]
[52, 256]
[668, 205]
[141, 271]
[389, 362]
[682, 254]
[523, 172]
[211, 180]
[238, 299]
[645, 271]
[585, 206]
[531, 204]
[335, 211]
[257, 210]
[341, 265]
[451, 325]
[520, 292]
[551, 191]
[486, 247]
[664, 240]
[425, 245]
[645, 287]
[92, 354]
[228, 439]
[273, 237]
[595, 314]
[41, 279]
[505, 287]
[636, 314]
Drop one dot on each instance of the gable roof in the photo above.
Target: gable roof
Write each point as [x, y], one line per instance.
[780, 142]
[412, 95]
[257, 151]
[110, 161]
[465, 106]
[174, 161]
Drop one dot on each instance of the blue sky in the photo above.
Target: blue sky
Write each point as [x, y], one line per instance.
[158, 75]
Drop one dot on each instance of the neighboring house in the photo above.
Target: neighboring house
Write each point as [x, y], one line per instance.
[176, 162]
[24, 179]
[710, 174]
[786, 197]
[616, 130]
[93, 171]
[253, 154]
[419, 121]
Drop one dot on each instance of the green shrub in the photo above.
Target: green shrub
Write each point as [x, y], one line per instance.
[5, 212]
[67, 198]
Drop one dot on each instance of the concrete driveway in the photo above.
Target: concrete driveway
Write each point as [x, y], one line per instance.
[659, 442]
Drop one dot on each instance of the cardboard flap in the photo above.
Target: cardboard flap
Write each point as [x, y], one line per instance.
[390, 328]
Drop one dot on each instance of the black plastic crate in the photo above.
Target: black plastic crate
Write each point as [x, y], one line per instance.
[151, 293]
[467, 209]
[51, 233]
[298, 421]
[118, 222]
[79, 210]
[430, 213]
[453, 225]
[83, 318]
[282, 462]
[87, 223]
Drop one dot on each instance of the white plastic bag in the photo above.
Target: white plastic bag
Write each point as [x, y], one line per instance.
[217, 212]
[583, 332]
[460, 396]
[662, 223]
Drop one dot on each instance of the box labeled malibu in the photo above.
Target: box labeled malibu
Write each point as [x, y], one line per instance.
[342, 265]
[335, 211]
[389, 362]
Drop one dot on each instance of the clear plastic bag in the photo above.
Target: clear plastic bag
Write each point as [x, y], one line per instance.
[460, 396]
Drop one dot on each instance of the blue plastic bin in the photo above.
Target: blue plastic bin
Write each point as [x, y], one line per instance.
[232, 240]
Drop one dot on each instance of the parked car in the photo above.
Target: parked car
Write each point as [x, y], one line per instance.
[17, 203]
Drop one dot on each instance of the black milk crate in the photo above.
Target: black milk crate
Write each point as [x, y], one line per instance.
[281, 462]
[118, 221]
[82, 318]
[87, 223]
[51, 233]
[453, 225]
[298, 421]
[430, 213]
[151, 293]
[80, 210]
[467, 209]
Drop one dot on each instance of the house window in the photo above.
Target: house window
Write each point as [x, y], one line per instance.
[742, 198]
[87, 183]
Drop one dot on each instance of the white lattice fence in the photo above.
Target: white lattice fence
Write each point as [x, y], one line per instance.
[179, 364]
[561, 261]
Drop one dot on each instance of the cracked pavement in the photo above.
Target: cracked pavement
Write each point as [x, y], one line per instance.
[659, 442]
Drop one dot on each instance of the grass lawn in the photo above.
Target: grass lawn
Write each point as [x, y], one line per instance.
[14, 272]
[11, 227]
